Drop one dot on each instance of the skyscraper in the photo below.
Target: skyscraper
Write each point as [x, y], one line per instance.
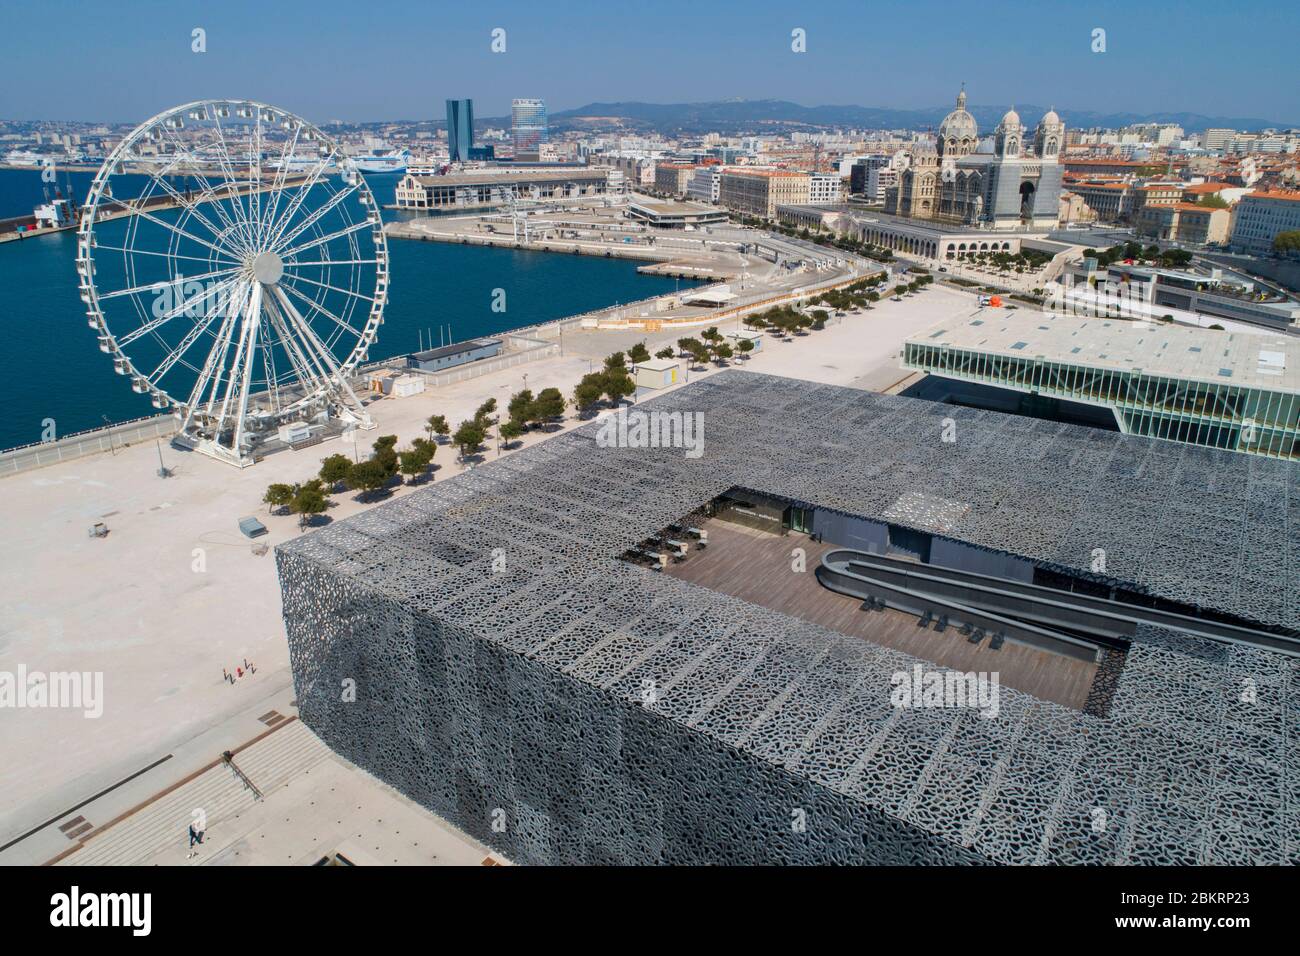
[528, 121]
[460, 129]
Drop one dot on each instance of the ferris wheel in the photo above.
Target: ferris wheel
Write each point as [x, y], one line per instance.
[233, 265]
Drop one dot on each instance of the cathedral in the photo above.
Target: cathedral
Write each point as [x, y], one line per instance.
[1017, 185]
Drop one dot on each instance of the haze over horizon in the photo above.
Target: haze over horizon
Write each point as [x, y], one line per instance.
[400, 60]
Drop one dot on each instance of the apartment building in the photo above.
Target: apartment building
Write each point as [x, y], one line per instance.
[1187, 223]
[1260, 216]
[757, 192]
[672, 178]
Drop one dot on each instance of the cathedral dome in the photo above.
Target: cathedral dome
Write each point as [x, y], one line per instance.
[1012, 118]
[1049, 117]
[959, 124]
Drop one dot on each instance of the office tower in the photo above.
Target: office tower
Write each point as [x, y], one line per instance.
[460, 129]
[528, 121]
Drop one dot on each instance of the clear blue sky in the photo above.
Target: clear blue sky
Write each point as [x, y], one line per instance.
[390, 59]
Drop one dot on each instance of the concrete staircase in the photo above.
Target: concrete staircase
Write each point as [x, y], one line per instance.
[163, 823]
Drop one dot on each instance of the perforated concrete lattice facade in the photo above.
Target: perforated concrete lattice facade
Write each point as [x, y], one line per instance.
[573, 708]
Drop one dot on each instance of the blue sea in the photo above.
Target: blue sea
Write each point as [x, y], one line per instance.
[51, 367]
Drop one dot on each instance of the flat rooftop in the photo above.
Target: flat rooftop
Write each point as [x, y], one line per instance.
[1269, 362]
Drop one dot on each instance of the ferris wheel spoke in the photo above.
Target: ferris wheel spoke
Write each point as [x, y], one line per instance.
[136, 290]
[295, 263]
[179, 231]
[355, 227]
[230, 224]
[338, 376]
[315, 217]
[164, 255]
[228, 169]
[181, 348]
[278, 183]
[173, 312]
[310, 373]
[209, 379]
[313, 304]
[304, 190]
[192, 207]
[323, 285]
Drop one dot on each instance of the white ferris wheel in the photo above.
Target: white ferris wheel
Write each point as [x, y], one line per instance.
[232, 263]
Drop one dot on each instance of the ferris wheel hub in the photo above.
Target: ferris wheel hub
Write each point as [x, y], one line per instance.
[267, 267]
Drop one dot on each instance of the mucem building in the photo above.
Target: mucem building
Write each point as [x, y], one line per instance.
[516, 675]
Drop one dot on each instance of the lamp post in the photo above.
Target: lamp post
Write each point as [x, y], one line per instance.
[112, 447]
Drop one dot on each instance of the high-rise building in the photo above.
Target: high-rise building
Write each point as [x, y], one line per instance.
[528, 125]
[460, 129]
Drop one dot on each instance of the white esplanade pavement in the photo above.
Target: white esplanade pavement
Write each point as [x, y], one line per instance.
[174, 593]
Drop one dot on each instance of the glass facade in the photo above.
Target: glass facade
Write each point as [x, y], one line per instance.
[460, 129]
[528, 121]
[1217, 415]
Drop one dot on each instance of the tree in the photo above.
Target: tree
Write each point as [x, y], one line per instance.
[665, 353]
[549, 404]
[511, 430]
[615, 361]
[386, 454]
[899, 289]
[711, 334]
[438, 425]
[309, 500]
[618, 384]
[469, 435]
[639, 353]
[587, 393]
[277, 495]
[722, 352]
[368, 476]
[412, 462]
[334, 470]
[483, 415]
[521, 406]
[746, 346]
[1288, 241]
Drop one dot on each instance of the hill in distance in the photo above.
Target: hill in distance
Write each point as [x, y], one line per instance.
[781, 115]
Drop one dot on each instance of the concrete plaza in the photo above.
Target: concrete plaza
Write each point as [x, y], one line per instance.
[175, 593]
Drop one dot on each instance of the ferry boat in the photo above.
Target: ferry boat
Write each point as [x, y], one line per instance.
[24, 157]
[391, 162]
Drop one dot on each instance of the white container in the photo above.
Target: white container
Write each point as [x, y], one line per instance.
[291, 432]
[408, 385]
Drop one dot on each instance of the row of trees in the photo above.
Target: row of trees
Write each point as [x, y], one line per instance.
[822, 237]
[388, 463]
[713, 347]
[338, 473]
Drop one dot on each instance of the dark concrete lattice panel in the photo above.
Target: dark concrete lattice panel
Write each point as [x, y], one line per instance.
[602, 713]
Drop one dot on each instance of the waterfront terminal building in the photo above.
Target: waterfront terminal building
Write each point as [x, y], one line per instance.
[483, 188]
[1217, 389]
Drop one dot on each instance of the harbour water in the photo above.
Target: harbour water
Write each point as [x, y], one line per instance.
[52, 371]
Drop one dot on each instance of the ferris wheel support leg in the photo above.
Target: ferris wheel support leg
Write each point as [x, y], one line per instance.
[349, 405]
[254, 322]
